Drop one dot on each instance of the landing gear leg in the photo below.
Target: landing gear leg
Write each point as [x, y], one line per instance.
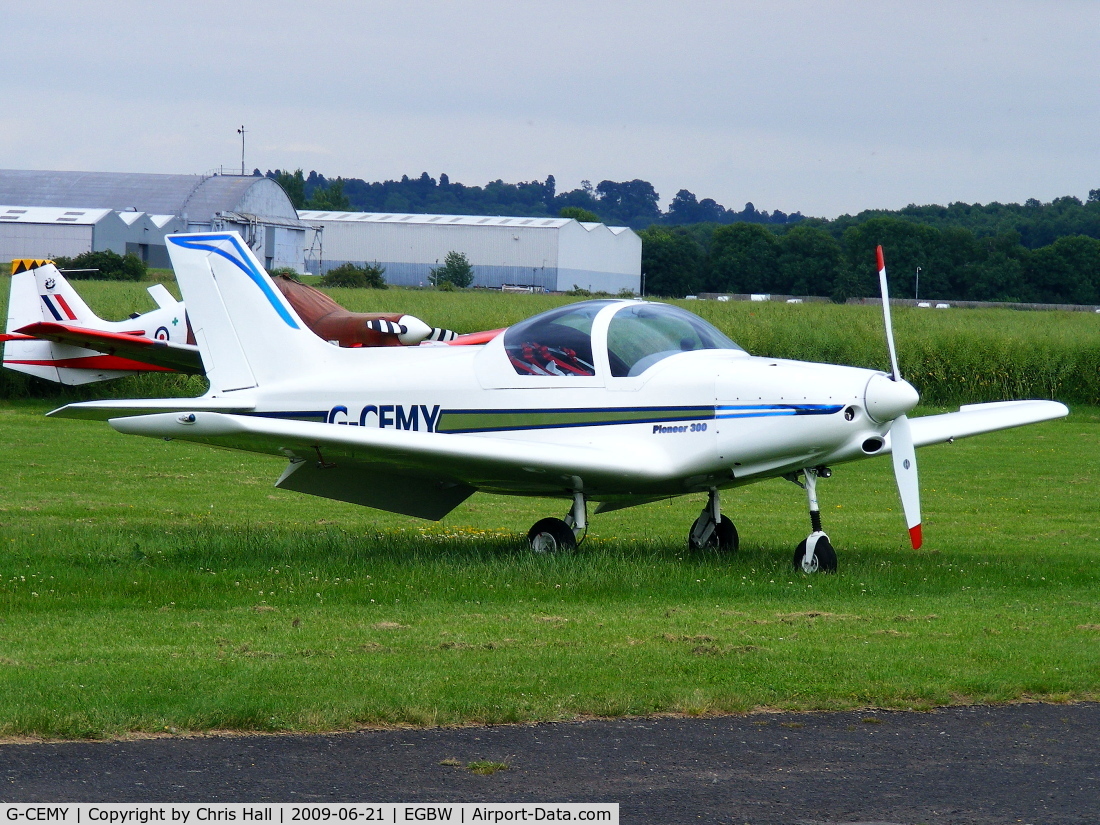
[552, 535]
[711, 529]
[815, 553]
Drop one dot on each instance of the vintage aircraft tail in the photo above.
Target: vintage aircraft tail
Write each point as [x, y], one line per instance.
[42, 294]
[59, 301]
[247, 332]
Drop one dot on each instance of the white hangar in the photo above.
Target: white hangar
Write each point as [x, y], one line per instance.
[555, 254]
[50, 231]
[149, 207]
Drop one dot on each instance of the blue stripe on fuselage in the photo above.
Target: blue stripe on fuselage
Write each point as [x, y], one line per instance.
[722, 412]
[770, 410]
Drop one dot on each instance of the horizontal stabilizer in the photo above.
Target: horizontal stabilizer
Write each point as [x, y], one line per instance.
[164, 354]
[162, 297]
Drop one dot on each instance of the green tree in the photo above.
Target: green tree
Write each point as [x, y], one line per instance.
[456, 270]
[365, 276]
[633, 202]
[104, 265]
[294, 185]
[809, 259]
[998, 277]
[686, 208]
[579, 213]
[330, 198]
[672, 261]
[906, 246]
[1067, 271]
[744, 257]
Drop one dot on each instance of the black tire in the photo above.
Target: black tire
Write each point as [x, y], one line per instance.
[824, 555]
[551, 535]
[724, 538]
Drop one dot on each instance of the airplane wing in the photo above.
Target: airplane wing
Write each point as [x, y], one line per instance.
[975, 419]
[110, 408]
[416, 473]
[180, 357]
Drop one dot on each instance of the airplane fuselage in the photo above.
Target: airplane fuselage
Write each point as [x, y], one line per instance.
[714, 418]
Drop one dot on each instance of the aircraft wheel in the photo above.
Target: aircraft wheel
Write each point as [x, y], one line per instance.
[724, 538]
[824, 557]
[551, 535]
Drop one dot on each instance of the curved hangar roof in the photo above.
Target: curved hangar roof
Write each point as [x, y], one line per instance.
[196, 196]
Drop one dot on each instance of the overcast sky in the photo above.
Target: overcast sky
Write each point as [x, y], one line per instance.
[818, 107]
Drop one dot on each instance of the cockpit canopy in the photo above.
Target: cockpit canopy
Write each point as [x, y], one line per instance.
[640, 335]
[560, 342]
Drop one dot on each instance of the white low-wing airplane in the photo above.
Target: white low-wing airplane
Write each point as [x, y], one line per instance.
[52, 334]
[617, 402]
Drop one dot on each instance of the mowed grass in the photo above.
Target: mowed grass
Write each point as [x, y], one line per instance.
[149, 587]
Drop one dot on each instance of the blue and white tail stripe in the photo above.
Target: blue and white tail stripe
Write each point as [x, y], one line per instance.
[243, 262]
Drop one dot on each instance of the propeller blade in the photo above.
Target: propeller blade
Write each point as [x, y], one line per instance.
[896, 373]
[905, 471]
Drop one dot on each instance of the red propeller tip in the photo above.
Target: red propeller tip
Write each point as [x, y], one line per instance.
[878, 257]
[916, 537]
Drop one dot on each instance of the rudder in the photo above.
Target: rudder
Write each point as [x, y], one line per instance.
[247, 332]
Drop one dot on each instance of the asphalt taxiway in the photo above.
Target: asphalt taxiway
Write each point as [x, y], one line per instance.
[1030, 763]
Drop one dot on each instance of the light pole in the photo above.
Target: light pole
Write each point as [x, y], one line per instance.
[241, 133]
[916, 289]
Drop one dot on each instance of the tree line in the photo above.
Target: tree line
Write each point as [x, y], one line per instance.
[837, 259]
[633, 203]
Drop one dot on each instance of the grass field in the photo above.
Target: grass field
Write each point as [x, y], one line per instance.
[149, 587]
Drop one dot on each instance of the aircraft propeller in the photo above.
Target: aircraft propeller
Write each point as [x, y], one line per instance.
[901, 437]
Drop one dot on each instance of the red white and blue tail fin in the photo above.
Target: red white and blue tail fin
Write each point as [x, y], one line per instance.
[43, 295]
[60, 302]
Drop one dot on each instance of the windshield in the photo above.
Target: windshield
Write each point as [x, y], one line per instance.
[558, 342]
[641, 335]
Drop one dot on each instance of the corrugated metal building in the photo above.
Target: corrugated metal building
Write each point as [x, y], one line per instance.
[555, 254]
[256, 207]
[51, 231]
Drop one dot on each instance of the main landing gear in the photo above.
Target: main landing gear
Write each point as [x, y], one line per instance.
[815, 552]
[711, 529]
[554, 535]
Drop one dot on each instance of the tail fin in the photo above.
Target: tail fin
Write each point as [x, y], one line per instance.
[24, 306]
[59, 301]
[42, 294]
[247, 332]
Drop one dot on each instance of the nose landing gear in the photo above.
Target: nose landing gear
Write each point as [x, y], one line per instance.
[712, 529]
[815, 552]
